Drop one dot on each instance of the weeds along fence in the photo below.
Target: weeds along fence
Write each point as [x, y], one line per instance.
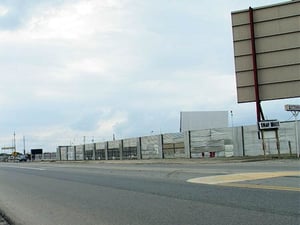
[221, 142]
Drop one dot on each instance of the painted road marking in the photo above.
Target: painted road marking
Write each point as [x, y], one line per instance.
[22, 167]
[231, 180]
[260, 186]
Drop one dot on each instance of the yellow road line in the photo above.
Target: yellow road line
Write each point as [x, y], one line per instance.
[258, 186]
[230, 178]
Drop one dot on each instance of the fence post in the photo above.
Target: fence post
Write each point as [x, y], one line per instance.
[94, 151]
[290, 147]
[277, 142]
[67, 154]
[160, 146]
[243, 141]
[187, 144]
[139, 148]
[238, 141]
[58, 153]
[121, 149]
[106, 150]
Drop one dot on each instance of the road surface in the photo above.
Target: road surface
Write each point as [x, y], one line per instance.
[151, 193]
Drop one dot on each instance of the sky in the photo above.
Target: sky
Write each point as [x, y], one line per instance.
[71, 69]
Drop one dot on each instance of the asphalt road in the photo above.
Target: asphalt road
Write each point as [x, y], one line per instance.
[148, 194]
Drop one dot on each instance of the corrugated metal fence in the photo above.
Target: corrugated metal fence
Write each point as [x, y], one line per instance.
[221, 142]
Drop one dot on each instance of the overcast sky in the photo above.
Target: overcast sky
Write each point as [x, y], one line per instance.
[94, 68]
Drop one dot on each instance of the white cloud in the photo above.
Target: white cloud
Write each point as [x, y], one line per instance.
[107, 127]
[3, 10]
[46, 94]
[76, 21]
[70, 21]
[90, 65]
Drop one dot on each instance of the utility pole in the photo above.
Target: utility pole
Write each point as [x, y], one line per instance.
[14, 142]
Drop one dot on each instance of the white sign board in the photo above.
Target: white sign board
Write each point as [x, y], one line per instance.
[276, 31]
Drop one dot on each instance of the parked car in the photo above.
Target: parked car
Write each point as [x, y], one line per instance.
[22, 158]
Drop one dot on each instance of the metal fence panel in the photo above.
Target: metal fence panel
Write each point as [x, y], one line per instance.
[100, 145]
[113, 150]
[79, 152]
[130, 148]
[100, 151]
[64, 153]
[150, 147]
[253, 146]
[71, 153]
[173, 145]
[207, 142]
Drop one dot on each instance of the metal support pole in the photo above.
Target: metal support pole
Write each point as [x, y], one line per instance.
[295, 114]
[254, 65]
[263, 144]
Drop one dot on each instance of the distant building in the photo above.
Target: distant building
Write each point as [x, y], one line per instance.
[200, 120]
